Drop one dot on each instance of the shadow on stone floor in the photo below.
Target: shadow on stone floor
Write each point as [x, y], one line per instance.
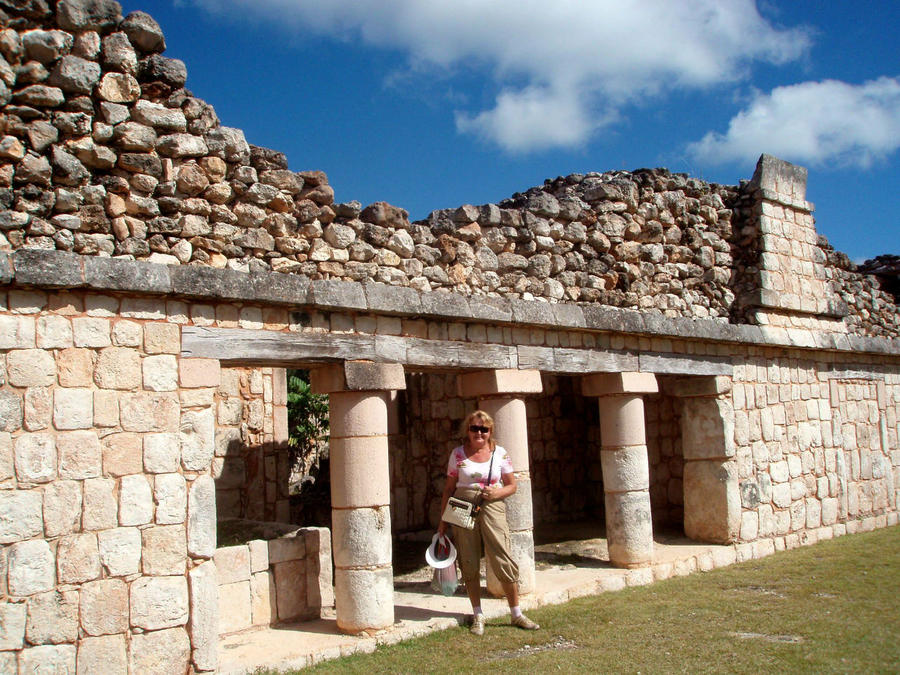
[579, 543]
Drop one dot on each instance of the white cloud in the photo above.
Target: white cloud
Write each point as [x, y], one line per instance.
[814, 123]
[566, 62]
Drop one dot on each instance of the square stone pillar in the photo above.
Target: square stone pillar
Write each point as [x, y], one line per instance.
[624, 462]
[359, 396]
[712, 500]
[500, 393]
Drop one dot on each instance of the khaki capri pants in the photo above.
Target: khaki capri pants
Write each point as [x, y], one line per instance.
[492, 531]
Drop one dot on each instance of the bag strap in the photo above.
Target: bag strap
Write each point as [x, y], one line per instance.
[480, 498]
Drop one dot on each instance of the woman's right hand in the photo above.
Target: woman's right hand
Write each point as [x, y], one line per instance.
[442, 527]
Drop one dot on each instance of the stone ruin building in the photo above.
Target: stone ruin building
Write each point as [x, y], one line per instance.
[657, 351]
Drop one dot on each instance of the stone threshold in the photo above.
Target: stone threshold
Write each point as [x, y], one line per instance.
[419, 611]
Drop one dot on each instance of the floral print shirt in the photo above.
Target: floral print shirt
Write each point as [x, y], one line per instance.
[472, 474]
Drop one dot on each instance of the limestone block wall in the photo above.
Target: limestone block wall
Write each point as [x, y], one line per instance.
[265, 582]
[107, 512]
[251, 466]
[815, 446]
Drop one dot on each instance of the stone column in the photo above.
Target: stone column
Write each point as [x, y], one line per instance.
[500, 394]
[359, 394]
[623, 458]
[712, 499]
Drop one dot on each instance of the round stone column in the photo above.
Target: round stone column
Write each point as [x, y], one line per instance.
[500, 394]
[359, 395]
[623, 458]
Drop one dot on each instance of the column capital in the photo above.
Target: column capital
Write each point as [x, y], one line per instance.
[616, 384]
[692, 386]
[500, 381]
[357, 376]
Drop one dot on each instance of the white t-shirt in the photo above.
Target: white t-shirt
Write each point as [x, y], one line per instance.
[474, 474]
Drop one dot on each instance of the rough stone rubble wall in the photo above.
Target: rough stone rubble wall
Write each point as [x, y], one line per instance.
[103, 152]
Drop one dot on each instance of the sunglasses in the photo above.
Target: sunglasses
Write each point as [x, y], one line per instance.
[476, 429]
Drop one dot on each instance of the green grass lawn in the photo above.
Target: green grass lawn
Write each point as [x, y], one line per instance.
[829, 608]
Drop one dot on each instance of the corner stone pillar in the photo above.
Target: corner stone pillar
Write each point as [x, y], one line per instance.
[623, 458]
[712, 500]
[359, 395]
[500, 394]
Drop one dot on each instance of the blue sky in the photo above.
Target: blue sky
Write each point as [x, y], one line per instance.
[430, 104]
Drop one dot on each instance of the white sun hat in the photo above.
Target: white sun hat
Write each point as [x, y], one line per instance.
[441, 553]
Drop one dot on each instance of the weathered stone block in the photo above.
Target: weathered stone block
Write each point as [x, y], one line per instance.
[73, 409]
[91, 331]
[606, 384]
[35, 458]
[712, 501]
[122, 454]
[625, 469]
[135, 501]
[202, 517]
[149, 411]
[17, 332]
[362, 537]
[290, 589]
[363, 598]
[170, 493]
[205, 613]
[629, 528]
[79, 454]
[232, 564]
[160, 373]
[262, 599]
[105, 654]
[106, 408]
[234, 606]
[259, 555]
[32, 568]
[7, 463]
[12, 625]
[164, 550]
[11, 415]
[78, 558]
[104, 607]
[118, 368]
[198, 439]
[120, 550]
[286, 548]
[501, 381]
[161, 453]
[160, 652]
[54, 332]
[100, 504]
[52, 618]
[76, 367]
[127, 334]
[162, 338]
[159, 602]
[62, 507]
[199, 373]
[30, 368]
[48, 659]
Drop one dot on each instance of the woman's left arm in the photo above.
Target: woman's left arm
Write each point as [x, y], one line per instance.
[509, 488]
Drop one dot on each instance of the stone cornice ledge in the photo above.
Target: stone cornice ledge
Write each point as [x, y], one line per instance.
[59, 269]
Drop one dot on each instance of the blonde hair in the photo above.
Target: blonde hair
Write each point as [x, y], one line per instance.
[486, 420]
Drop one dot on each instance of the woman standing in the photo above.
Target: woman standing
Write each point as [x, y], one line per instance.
[481, 466]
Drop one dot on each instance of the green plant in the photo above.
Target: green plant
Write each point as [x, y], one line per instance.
[307, 423]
